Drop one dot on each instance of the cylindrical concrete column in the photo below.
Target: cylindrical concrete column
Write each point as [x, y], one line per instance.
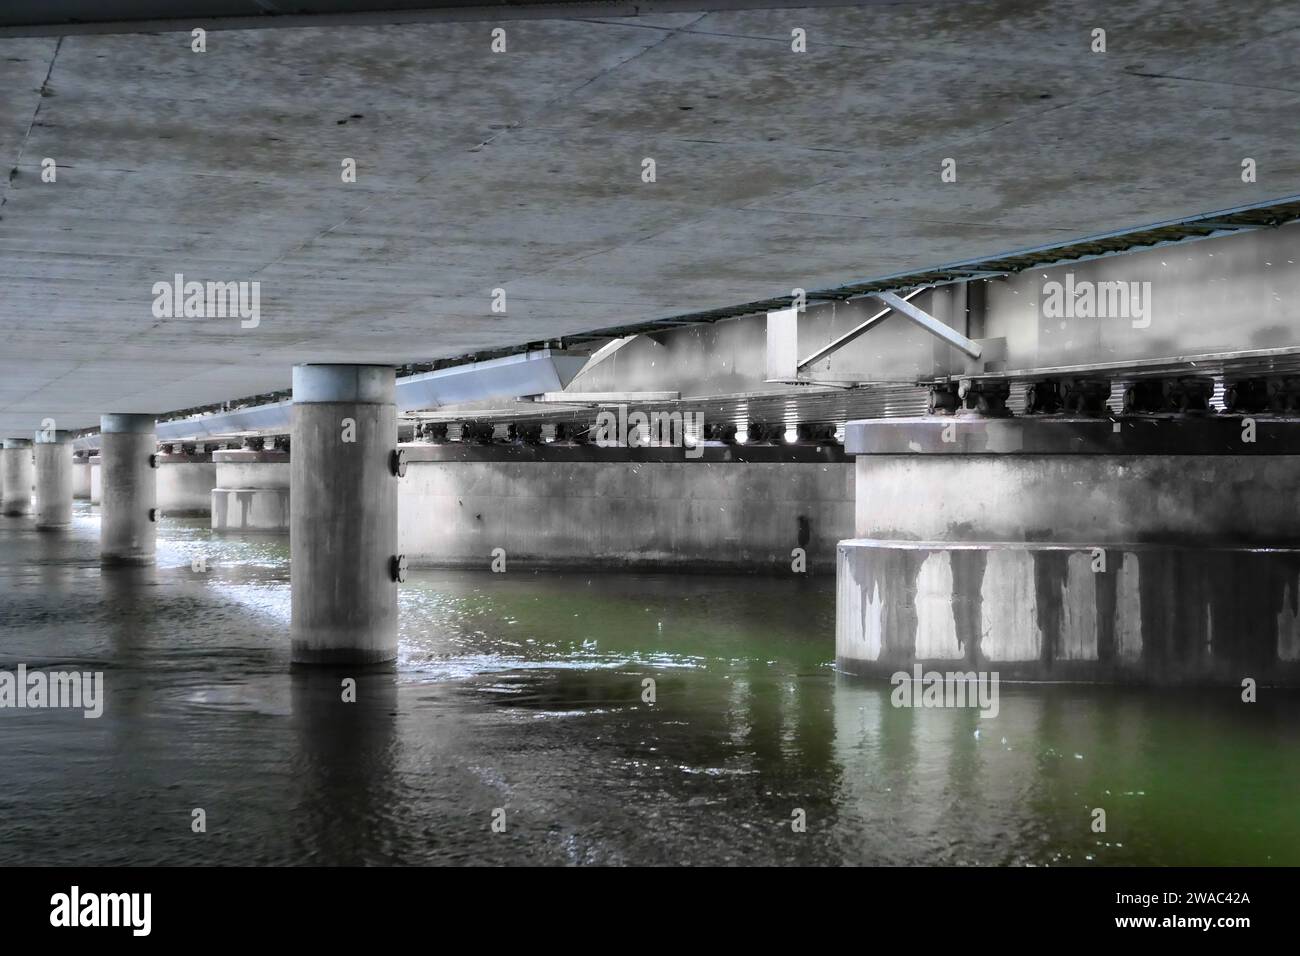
[53, 480]
[343, 514]
[18, 474]
[129, 488]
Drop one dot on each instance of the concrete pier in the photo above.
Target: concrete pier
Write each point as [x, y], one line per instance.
[17, 474]
[1155, 550]
[53, 480]
[185, 482]
[343, 515]
[252, 490]
[81, 476]
[129, 528]
[777, 509]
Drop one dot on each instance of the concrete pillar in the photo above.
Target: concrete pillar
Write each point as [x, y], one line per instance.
[16, 469]
[81, 476]
[129, 479]
[343, 514]
[1148, 549]
[53, 480]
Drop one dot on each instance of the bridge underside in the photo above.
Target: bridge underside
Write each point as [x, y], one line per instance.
[951, 297]
[522, 171]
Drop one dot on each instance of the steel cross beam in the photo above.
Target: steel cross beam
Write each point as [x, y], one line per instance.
[853, 333]
[928, 322]
[903, 306]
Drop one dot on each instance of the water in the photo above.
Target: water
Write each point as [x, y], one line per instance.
[524, 691]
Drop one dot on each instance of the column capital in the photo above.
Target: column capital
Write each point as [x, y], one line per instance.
[126, 424]
[363, 384]
[48, 437]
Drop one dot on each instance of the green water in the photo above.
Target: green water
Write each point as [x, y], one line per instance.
[524, 693]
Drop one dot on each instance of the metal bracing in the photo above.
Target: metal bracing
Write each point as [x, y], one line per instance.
[932, 325]
[839, 343]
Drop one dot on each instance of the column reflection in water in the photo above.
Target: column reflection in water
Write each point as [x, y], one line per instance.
[345, 807]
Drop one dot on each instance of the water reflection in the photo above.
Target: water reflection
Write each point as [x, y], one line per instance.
[524, 694]
[345, 741]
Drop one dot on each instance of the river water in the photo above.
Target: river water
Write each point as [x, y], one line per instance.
[519, 697]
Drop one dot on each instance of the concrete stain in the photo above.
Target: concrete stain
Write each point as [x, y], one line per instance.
[1051, 579]
[1201, 615]
[1105, 592]
[892, 574]
[968, 568]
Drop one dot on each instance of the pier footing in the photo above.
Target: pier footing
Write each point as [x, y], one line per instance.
[1160, 550]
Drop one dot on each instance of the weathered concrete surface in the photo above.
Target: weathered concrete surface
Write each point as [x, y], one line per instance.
[252, 491]
[1080, 498]
[244, 468]
[250, 509]
[1075, 566]
[1151, 614]
[774, 170]
[128, 532]
[17, 475]
[666, 515]
[185, 484]
[53, 460]
[343, 516]
[81, 478]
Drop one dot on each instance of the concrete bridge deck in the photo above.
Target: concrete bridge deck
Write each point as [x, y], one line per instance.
[522, 171]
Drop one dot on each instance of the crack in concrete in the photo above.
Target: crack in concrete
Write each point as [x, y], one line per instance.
[22, 147]
[622, 63]
[1197, 79]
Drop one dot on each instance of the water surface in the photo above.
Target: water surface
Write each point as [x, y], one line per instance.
[524, 691]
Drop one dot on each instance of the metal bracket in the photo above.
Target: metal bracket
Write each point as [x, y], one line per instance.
[397, 463]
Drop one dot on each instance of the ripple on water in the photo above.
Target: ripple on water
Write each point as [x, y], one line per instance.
[523, 692]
